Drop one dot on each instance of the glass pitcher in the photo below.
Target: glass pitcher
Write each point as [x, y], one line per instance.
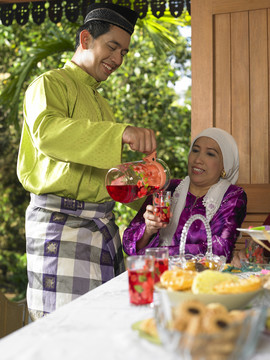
[133, 180]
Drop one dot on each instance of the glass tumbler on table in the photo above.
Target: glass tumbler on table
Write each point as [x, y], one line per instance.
[162, 205]
[141, 279]
[161, 256]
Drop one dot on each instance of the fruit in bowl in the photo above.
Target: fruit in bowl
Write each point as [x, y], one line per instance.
[179, 285]
[198, 262]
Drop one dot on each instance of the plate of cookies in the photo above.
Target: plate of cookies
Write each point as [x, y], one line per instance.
[208, 331]
[209, 286]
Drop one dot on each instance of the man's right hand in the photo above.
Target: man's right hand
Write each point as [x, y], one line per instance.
[140, 139]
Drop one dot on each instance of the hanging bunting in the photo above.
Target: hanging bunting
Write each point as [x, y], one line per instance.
[20, 11]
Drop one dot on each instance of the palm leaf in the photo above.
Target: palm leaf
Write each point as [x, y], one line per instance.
[11, 93]
[162, 37]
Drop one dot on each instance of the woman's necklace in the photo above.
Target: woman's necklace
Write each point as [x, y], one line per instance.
[193, 205]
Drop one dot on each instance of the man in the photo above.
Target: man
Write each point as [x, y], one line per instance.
[69, 141]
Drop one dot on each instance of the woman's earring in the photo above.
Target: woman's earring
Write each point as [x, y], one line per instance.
[223, 174]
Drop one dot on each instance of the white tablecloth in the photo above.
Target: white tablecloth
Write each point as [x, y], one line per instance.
[95, 326]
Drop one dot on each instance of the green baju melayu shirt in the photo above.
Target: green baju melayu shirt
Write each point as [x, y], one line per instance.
[70, 138]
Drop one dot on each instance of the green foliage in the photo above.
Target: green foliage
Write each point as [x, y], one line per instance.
[141, 93]
[13, 202]
[14, 275]
[13, 198]
[45, 43]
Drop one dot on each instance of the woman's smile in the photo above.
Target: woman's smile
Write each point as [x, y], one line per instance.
[197, 171]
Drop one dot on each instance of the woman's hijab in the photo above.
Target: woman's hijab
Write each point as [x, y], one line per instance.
[228, 148]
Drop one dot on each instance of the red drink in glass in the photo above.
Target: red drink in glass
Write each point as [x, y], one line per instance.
[162, 205]
[160, 266]
[161, 260]
[163, 212]
[141, 285]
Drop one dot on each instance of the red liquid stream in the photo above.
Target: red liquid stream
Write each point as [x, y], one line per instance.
[128, 193]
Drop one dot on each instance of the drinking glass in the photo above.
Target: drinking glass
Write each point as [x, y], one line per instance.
[162, 205]
[161, 256]
[141, 279]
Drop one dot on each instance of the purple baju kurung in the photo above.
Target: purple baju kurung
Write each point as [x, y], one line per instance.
[223, 225]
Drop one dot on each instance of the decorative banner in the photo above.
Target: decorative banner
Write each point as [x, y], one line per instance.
[72, 9]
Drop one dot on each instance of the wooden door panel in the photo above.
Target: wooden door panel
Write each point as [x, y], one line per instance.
[240, 90]
[258, 95]
[230, 77]
[202, 67]
[222, 55]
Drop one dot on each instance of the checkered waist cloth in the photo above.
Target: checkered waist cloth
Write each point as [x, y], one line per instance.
[72, 247]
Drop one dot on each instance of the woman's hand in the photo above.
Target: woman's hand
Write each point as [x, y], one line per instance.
[237, 257]
[152, 221]
[153, 225]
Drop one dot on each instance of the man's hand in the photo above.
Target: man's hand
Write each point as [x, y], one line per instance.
[140, 139]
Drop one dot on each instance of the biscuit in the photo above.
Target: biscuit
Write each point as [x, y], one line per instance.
[215, 323]
[184, 315]
[216, 308]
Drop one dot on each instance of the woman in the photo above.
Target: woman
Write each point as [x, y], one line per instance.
[209, 190]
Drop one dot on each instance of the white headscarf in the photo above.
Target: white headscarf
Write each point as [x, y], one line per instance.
[214, 196]
[228, 148]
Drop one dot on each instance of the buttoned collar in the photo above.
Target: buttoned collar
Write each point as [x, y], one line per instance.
[81, 75]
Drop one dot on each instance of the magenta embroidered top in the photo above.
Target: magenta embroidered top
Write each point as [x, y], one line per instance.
[223, 225]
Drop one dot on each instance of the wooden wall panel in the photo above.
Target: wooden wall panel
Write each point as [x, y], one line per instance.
[240, 90]
[259, 96]
[201, 67]
[221, 6]
[268, 37]
[230, 77]
[222, 72]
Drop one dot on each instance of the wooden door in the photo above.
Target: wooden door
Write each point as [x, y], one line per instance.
[230, 77]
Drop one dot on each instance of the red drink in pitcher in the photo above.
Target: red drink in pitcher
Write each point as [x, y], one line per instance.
[130, 181]
[122, 193]
[128, 193]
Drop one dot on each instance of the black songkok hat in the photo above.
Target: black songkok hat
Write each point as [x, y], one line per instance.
[120, 16]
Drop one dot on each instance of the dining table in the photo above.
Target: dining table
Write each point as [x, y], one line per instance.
[96, 325]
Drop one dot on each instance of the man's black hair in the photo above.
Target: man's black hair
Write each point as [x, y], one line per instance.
[95, 28]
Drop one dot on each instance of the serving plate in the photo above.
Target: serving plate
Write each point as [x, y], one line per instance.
[257, 234]
[231, 301]
[153, 339]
